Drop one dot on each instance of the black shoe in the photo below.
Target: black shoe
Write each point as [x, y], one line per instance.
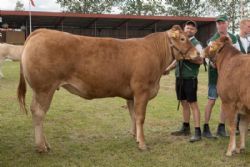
[206, 132]
[197, 136]
[184, 131]
[221, 131]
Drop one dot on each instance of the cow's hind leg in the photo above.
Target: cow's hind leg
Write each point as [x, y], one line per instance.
[243, 126]
[130, 104]
[141, 101]
[39, 107]
[230, 112]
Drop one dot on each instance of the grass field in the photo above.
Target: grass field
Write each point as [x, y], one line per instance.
[96, 133]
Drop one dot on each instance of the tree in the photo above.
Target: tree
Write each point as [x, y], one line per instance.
[87, 6]
[186, 7]
[231, 8]
[142, 7]
[19, 6]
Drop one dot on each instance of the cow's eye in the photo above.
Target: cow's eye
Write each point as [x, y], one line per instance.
[182, 39]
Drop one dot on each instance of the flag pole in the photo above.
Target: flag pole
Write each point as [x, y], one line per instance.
[30, 16]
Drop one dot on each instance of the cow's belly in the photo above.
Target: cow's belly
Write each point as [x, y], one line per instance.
[88, 92]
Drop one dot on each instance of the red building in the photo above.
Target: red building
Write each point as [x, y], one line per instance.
[104, 25]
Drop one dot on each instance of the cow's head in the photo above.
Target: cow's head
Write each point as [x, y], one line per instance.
[215, 47]
[181, 47]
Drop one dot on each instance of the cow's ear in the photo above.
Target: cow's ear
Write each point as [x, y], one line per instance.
[174, 34]
[176, 28]
[225, 39]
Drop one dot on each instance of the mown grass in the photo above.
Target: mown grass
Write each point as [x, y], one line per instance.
[96, 133]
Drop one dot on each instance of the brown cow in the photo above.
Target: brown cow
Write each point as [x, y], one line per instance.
[232, 86]
[92, 67]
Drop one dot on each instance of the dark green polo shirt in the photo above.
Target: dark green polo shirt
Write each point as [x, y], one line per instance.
[189, 70]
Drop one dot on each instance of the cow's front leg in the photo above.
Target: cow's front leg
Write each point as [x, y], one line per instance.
[130, 104]
[141, 100]
[230, 113]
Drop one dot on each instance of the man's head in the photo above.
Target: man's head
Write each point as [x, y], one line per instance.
[245, 27]
[222, 24]
[190, 28]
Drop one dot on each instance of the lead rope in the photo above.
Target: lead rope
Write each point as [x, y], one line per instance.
[180, 83]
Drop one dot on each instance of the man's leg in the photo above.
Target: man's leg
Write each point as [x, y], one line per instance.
[196, 116]
[185, 128]
[221, 130]
[208, 110]
[191, 94]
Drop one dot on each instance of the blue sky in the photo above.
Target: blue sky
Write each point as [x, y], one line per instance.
[41, 5]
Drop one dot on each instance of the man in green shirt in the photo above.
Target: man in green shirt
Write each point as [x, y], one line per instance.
[222, 30]
[186, 73]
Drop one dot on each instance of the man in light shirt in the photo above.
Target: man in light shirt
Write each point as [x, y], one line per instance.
[244, 36]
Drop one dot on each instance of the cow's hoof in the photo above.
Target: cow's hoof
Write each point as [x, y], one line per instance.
[143, 147]
[240, 150]
[48, 146]
[229, 154]
[43, 149]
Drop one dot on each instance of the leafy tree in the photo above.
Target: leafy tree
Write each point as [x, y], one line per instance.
[232, 9]
[185, 7]
[142, 7]
[19, 6]
[87, 6]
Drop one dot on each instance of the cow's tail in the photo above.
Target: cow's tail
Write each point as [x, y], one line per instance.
[21, 91]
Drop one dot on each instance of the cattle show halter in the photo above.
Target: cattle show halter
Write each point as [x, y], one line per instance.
[172, 47]
[213, 60]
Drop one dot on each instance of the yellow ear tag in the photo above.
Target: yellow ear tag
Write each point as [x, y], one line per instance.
[213, 48]
[175, 34]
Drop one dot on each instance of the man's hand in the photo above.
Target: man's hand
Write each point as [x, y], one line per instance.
[197, 60]
[166, 72]
[212, 64]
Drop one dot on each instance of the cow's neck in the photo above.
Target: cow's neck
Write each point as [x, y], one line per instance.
[167, 55]
[168, 51]
[160, 43]
[225, 55]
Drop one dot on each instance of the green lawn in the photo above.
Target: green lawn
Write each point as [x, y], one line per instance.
[96, 133]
